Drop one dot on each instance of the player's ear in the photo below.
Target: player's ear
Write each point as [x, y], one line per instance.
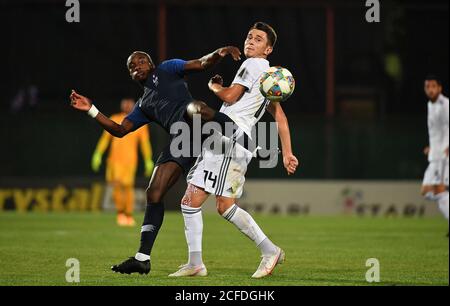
[268, 50]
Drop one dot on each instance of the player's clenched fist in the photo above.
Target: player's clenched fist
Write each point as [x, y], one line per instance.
[79, 102]
[290, 163]
[217, 79]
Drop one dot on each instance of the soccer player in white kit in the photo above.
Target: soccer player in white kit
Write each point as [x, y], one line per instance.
[435, 182]
[223, 174]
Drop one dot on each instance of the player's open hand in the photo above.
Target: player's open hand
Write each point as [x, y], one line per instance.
[79, 102]
[230, 50]
[290, 163]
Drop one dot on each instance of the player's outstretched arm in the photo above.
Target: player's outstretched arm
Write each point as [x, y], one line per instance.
[83, 104]
[212, 59]
[289, 160]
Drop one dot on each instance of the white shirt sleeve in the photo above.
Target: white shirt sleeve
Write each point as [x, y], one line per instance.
[446, 123]
[248, 73]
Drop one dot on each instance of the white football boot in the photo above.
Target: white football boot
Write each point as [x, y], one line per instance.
[186, 270]
[268, 263]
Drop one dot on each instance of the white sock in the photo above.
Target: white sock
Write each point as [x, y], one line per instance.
[442, 200]
[141, 256]
[247, 225]
[193, 229]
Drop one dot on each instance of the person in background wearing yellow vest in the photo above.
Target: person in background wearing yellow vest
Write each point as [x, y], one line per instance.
[122, 162]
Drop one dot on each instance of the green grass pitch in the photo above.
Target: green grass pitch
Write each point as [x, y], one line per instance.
[320, 250]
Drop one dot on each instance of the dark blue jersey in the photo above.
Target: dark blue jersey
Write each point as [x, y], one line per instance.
[165, 97]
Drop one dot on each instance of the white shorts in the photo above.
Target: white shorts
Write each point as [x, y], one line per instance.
[436, 173]
[221, 171]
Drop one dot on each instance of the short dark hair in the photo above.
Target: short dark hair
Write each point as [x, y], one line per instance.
[271, 34]
[140, 53]
[433, 77]
[128, 98]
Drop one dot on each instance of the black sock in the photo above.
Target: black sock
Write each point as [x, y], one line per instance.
[153, 219]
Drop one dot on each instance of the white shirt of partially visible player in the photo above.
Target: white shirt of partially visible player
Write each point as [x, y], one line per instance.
[247, 111]
[438, 128]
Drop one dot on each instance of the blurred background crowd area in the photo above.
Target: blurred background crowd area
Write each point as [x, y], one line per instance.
[358, 112]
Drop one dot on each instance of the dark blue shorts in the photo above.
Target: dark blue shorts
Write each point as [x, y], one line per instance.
[185, 163]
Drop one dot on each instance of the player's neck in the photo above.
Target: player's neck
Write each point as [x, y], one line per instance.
[436, 99]
[142, 82]
[259, 56]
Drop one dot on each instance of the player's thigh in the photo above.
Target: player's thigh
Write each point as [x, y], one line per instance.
[436, 178]
[440, 189]
[194, 196]
[427, 189]
[164, 177]
[224, 203]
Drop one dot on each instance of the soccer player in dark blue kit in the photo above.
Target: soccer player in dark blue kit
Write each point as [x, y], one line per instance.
[165, 101]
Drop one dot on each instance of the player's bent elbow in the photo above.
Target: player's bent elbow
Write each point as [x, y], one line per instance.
[230, 98]
[233, 95]
[196, 108]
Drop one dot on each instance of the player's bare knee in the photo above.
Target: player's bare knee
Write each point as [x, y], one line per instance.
[423, 192]
[440, 189]
[187, 200]
[191, 198]
[426, 189]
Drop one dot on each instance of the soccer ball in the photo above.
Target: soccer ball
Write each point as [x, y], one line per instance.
[277, 84]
